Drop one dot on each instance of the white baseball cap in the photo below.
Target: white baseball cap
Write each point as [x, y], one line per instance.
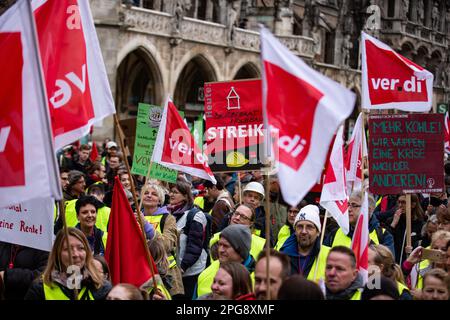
[309, 213]
[111, 144]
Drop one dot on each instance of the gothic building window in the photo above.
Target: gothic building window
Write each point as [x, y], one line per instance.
[391, 8]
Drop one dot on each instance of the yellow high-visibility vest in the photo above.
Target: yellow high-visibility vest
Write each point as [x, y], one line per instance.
[283, 234]
[341, 239]
[55, 293]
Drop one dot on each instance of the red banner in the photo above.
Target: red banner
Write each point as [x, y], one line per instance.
[234, 125]
[406, 153]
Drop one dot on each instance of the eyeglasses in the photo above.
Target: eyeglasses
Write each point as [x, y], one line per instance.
[354, 205]
[241, 216]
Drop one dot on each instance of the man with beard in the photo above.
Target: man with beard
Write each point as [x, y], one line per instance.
[303, 246]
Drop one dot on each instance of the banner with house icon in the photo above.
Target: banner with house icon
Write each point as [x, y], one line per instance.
[234, 134]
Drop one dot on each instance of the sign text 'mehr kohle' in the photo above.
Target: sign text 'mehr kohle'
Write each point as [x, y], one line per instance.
[406, 153]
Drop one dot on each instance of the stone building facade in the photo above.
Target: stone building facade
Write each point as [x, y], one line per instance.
[152, 48]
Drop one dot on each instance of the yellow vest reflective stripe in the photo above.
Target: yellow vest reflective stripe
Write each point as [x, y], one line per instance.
[356, 295]
[256, 246]
[55, 213]
[200, 202]
[156, 222]
[283, 234]
[321, 267]
[341, 239]
[401, 287]
[102, 216]
[55, 293]
[424, 264]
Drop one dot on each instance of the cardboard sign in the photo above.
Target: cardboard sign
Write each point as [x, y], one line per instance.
[147, 124]
[406, 153]
[28, 224]
[234, 125]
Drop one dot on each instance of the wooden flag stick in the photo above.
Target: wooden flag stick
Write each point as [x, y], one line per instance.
[239, 188]
[408, 221]
[139, 218]
[321, 242]
[267, 233]
[62, 215]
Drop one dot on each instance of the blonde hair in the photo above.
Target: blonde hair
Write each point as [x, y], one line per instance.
[159, 191]
[54, 262]
[440, 235]
[385, 260]
[158, 252]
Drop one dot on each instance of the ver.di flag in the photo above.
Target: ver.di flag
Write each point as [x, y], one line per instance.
[391, 81]
[360, 240]
[175, 147]
[334, 196]
[305, 108]
[27, 157]
[353, 162]
[77, 84]
[447, 133]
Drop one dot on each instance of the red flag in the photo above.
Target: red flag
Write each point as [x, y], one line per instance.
[353, 163]
[27, 158]
[305, 108]
[334, 196]
[94, 152]
[125, 251]
[391, 81]
[360, 241]
[77, 84]
[175, 147]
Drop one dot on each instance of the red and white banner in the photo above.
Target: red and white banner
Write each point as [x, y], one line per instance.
[27, 157]
[77, 84]
[234, 125]
[334, 196]
[360, 241]
[391, 81]
[175, 146]
[353, 161]
[305, 109]
[29, 224]
[447, 133]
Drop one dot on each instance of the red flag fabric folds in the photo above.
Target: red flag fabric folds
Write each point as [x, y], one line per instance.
[125, 251]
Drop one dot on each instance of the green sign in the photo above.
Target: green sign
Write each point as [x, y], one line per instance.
[442, 107]
[197, 131]
[147, 124]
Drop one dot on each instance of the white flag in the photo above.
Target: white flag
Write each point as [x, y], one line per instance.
[305, 108]
[27, 157]
[353, 165]
[334, 196]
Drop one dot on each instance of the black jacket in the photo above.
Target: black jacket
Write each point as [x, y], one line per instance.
[28, 265]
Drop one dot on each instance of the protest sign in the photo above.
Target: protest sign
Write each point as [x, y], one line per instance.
[406, 153]
[234, 125]
[148, 120]
[28, 224]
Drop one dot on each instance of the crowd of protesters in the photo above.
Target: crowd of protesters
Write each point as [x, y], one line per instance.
[208, 241]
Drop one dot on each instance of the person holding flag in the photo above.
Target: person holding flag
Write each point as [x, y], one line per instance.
[377, 234]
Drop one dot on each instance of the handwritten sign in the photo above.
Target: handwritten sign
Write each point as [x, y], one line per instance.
[147, 125]
[29, 224]
[406, 153]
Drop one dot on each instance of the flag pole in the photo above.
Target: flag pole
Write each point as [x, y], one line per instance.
[46, 122]
[133, 191]
[321, 241]
[239, 188]
[267, 231]
[408, 222]
[363, 133]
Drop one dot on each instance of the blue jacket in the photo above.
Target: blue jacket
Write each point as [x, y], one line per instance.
[290, 247]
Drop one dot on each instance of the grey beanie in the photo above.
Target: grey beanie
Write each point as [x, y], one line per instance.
[240, 238]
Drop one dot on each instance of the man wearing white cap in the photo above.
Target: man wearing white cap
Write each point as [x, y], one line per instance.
[303, 247]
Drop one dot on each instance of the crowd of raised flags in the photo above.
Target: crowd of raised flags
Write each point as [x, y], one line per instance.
[55, 88]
